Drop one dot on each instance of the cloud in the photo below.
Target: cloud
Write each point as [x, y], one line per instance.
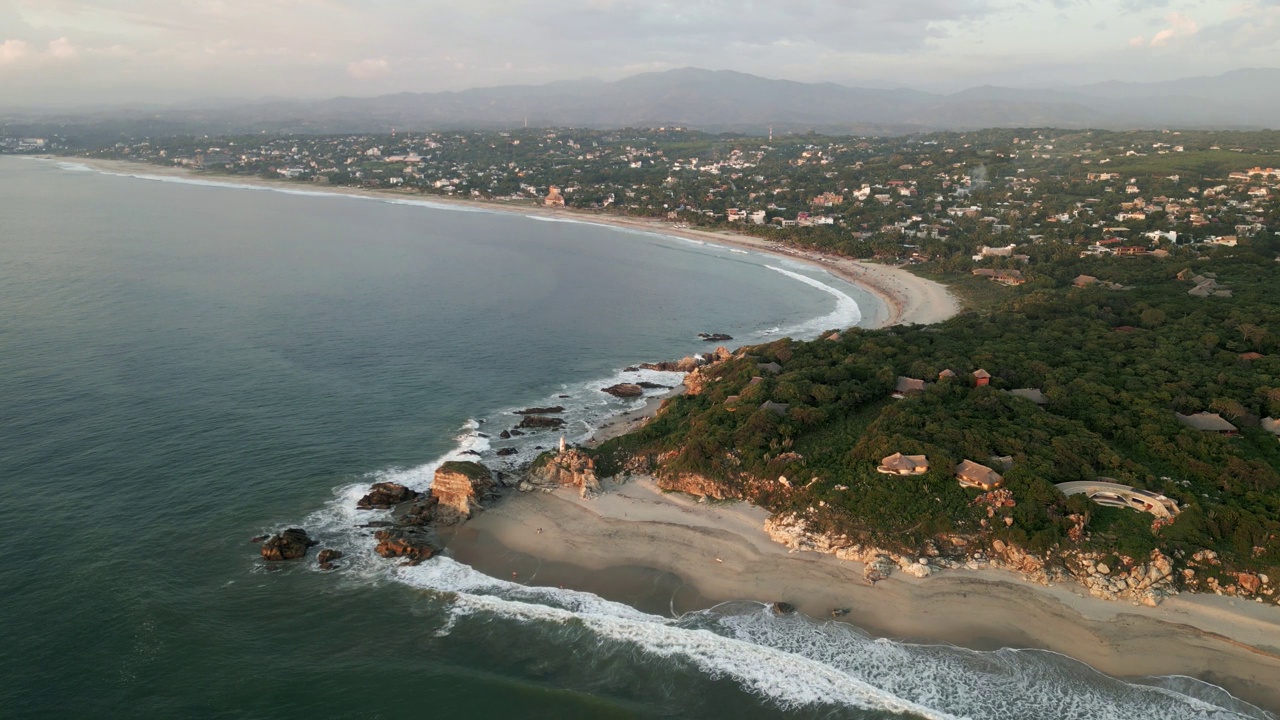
[1180, 26]
[63, 49]
[12, 51]
[369, 70]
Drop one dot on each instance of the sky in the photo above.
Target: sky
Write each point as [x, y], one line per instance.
[90, 52]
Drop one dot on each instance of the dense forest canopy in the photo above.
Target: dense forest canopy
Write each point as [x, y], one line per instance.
[1116, 366]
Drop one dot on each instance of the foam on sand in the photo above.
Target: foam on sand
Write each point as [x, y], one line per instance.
[793, 661]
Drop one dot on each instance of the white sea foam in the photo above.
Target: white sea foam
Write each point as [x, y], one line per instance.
[795, 662]
[789, 680]
[846, 313]
[586, 409]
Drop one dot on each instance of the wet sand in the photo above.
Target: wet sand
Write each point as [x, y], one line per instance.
[669, 554]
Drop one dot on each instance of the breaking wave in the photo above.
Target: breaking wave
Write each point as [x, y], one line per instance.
[845, 315]
[796, 662]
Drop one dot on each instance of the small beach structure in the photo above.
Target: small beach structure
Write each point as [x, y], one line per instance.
[1084, 281]
[947, 374]
[554, 198]
[770, 367]
[899, 464]
[1112, 494]
[1208, 422]
[1032, 394]
[906, 386]
[971, 474]
[771, 406]
[981, 378]
[1271, 425]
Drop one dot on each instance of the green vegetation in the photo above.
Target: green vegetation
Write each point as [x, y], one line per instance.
[472, 470]
[1115, 366]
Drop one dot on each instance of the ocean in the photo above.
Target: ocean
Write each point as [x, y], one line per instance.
[185, 365]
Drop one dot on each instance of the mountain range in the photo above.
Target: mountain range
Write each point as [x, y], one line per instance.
[727, 101]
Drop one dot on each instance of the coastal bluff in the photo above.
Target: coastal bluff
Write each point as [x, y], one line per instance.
[460, 487]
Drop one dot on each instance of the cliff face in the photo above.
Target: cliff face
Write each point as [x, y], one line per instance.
[569, 468]
[460, 487]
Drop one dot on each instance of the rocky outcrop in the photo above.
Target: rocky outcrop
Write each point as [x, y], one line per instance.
[538, 422]
[625, 390]
[288, 545]
[695, 484]
[1147, 582]
[325, 558]
[385, 495]
[569, 468]
[541, 411]
[460, 487]
[715, 337]
[421, 512]
[412, 544]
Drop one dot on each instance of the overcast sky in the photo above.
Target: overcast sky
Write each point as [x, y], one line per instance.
[61, 52]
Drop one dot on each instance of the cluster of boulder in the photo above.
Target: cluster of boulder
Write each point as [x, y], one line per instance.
[458, 490]
[568, 468]
[1147, 581]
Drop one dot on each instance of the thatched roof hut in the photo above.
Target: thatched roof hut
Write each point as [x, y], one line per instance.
[899, 464]
[971, 474]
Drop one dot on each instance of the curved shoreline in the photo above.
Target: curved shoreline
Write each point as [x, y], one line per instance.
[1207, 637]
[908, 298]
[721, 553]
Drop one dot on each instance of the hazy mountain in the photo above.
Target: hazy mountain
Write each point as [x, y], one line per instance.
[731, 101]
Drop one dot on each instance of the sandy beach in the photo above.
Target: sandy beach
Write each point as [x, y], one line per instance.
[910, 299]
[720, 552]
[670, 553]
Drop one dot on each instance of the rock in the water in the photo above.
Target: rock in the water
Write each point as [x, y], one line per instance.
[839, 612]
[539, 421]
[571, 468]
[505, 452]
[460, 486]
[326, 557]
[385, 495]
[421, 512]
[782, 608]
[288, 545]
[715, 337]
[258, 538]
[412, 544]
[541, 411]
[653, 386]
[505, 435]
[625, 390]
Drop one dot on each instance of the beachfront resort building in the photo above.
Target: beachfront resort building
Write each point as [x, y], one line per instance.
[905, 386]
[899, 464]
[971, 474]
[554, 198]
[1112, 494]
[1208, 422]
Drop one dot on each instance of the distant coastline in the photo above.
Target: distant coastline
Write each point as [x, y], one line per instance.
[909, 299]
[723, 553]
